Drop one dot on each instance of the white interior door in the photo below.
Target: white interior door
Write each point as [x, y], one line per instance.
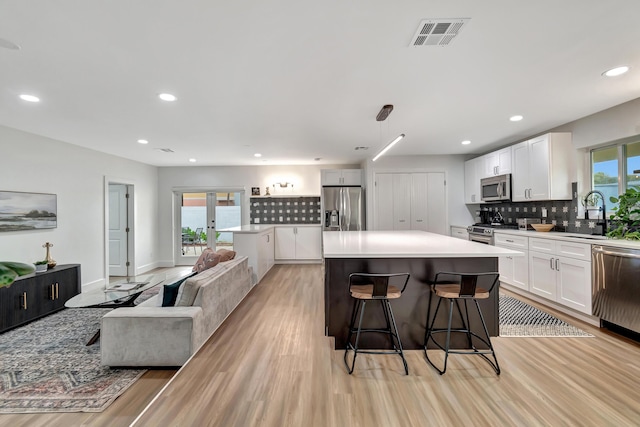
[419, 202]
[436, 203]
[118, 230]
[401, 201]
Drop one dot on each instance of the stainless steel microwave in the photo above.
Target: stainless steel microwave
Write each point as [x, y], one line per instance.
[496, 188]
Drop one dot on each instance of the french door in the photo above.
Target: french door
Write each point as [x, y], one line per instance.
[199, 216]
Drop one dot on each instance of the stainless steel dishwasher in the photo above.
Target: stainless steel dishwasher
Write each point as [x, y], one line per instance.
[616, 285]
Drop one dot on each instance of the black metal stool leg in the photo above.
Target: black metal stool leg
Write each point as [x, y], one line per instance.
[430, 330]
[495, 366]
[448, 342]
[466, 324]
[397, 335]
[355, 347]
[386, 318]
[354, 312]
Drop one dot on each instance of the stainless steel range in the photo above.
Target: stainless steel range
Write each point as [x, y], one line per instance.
[483, 233]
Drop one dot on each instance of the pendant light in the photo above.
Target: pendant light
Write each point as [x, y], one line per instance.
[382, 115]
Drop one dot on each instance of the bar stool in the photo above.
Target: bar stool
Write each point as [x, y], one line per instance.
[464, 288]
[365, 287]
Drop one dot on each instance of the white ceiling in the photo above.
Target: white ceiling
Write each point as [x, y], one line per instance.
[295, 80]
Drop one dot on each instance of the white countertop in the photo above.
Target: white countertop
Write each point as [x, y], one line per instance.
[573, 237]
[259, 228]
[404, 244]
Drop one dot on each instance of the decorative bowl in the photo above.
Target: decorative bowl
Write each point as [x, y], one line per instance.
[542, 227]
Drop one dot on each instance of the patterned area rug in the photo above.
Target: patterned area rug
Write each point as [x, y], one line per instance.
[519, 319]
[45, 366]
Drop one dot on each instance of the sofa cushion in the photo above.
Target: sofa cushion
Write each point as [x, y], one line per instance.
[207, 259]
[226, 255]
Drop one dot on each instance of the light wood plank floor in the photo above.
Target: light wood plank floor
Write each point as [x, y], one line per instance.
[270, 364]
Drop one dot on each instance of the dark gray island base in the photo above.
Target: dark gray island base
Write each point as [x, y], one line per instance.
[411, 309]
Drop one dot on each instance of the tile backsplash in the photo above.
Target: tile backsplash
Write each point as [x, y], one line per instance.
[285, 210]
[562, 213]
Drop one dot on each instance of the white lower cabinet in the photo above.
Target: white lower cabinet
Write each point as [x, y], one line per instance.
[561, 272]
[514, 270]
[298, 243]
[259, 247]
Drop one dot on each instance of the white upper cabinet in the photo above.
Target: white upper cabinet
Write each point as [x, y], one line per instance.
[541, 168]
[497, 163]
[473, 172]
[337, 177]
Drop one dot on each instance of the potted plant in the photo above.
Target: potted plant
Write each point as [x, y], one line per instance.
[9, 271]
[41, 266]
[625, 221]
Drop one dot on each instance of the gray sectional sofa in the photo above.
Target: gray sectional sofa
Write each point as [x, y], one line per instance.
[149, 335]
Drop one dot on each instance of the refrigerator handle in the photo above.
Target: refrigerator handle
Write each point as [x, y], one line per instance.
[341, 207]
[347, 209]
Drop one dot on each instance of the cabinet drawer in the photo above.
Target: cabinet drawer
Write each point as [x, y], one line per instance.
[574, 250]
[509, 241]
[546, 246]
[460, 233]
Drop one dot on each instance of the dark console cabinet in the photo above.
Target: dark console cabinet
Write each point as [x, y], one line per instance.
[36, 295]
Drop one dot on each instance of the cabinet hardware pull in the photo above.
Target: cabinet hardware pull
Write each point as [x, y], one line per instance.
[557, 266]
[52, 294]
[57, 294]
[418, 220]
[551, 263]
[507, 240]
[24, 300]
[402, 220]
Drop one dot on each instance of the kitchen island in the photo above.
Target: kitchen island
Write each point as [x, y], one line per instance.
[418, 253]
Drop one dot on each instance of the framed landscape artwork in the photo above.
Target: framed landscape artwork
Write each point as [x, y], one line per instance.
[27, 211]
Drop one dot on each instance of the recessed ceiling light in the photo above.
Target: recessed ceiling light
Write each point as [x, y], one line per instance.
[167, 97]
[257, 155]
[192, 160]
[29, 98]
[143, 141]
[614, 72]
[466, 142]
[516, 118]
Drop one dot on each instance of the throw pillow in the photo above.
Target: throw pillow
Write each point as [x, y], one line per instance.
[187, 293]
[207, 259]
[170, 292]
[226, 255]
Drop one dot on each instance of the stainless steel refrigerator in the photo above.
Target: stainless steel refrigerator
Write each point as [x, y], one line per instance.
[343, 209]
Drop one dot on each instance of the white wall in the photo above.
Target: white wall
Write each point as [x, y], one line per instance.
[453, 168]
[31, 163]
[305, 179]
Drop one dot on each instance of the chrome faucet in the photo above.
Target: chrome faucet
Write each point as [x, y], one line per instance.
[604, 210]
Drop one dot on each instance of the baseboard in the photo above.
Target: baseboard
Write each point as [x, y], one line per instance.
[298, 261]
[592, 320]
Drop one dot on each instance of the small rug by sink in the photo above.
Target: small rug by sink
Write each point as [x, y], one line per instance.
[519, 319]
[45, 366]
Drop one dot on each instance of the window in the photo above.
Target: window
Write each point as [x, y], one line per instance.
[605, 172]
[633, 165]
[614, 169]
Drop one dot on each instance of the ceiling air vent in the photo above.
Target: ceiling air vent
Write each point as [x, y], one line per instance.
[166, 150]
[438, 32]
